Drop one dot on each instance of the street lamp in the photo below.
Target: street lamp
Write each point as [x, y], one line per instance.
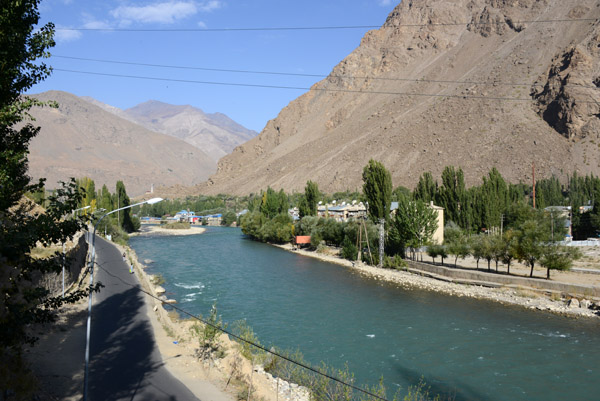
[91, 267]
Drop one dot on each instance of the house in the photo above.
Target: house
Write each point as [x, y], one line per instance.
[342, 212]
[184, 216]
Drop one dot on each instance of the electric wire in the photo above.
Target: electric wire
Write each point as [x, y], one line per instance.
[339, 90]
[322, 28]
[291, 74]
[223, 330]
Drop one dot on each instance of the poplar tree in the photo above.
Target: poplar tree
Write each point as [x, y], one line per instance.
[122, 200]
[377, 187]
[452, 196]
[426, 189]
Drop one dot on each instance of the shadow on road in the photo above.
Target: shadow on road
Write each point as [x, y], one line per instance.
[121, 347]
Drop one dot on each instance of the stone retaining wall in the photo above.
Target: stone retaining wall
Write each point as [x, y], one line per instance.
[75, 262]
[496, 280]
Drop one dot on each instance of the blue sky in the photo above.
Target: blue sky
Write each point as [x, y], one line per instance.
[297, 51]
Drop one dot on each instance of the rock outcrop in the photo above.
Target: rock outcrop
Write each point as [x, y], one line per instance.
[440, 83]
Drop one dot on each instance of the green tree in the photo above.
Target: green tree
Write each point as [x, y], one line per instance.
[426, 189]
[377, 187]
[477, 247]
[413, 225]
[558, 257]
[509, 250]
[122, 200]
[452, 196]
[23, 300]
[460, 248]
[529, 242]
[311, 198]
[273, 203]
[495, 193]
[229, 218]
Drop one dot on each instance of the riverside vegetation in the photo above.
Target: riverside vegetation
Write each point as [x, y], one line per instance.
[495, 221]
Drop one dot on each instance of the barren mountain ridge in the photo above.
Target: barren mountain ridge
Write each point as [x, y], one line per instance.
[469, 83]
[81, 139]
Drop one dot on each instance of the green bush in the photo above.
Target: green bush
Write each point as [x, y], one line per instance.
[315, 240]
[243, 330]
[394, 262]
[349, 250]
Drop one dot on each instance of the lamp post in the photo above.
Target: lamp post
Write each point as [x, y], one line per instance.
[63, 251]
[89, 318]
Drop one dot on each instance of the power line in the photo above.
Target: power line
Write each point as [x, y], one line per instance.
[438, 95]
[292, 74]
[320, 28]
[223, 330]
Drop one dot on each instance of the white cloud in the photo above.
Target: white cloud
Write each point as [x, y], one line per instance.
[208, 6]
[90, 22]
[163, 13]
[384, 3]
[63, 35]
[202, 25]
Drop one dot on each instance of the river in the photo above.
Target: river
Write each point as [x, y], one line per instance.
[472, 349]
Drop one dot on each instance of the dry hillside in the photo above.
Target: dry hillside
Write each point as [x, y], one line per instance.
[80, 139]
[215, 134]
[470, 83]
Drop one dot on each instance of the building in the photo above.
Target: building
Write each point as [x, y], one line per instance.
[343, 212]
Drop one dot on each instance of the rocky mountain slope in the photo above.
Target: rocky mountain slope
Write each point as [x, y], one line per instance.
[469, 83]
[80, 139]
[215, 134]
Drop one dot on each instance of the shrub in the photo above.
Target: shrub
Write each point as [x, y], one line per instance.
[315, 240]
[349, 250]
[394, 262]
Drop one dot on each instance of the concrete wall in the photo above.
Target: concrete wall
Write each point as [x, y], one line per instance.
[495, 280]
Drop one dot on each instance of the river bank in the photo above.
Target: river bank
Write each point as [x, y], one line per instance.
[527, 298]
[152, 230]
[224, 374]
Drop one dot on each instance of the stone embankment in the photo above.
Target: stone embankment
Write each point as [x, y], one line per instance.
[515, 293]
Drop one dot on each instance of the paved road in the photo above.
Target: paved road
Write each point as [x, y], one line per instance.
[125, 363]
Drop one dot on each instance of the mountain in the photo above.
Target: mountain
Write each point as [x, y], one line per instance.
[216, 134]
[81, 139]
[470, 83]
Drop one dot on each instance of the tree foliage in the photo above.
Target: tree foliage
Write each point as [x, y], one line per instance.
[22, 299]
[412, 226]
[377, 187]
[310, 200]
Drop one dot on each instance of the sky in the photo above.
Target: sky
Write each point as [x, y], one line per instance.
[282, 51]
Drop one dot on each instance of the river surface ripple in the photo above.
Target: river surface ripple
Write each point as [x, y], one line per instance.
[472, 349]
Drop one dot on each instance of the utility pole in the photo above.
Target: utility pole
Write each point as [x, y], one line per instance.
[533, 175]
[501, 223]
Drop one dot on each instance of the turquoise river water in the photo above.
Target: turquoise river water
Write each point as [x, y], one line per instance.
[471, 349]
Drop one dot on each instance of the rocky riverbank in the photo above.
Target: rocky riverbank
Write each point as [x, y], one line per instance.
[225, 372]
[527, 298]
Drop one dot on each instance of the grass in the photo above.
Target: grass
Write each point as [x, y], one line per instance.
[169, 331]
[44, 252]
[157, 279]
[525, 293]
